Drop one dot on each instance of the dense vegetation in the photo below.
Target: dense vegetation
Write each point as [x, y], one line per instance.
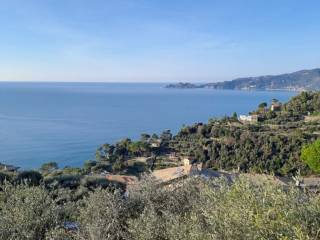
[310, 154]
[193, 209]
[304, 79]
[272, 145]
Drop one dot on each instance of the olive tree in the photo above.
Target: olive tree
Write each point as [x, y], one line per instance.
[103, 216]
[27, 212]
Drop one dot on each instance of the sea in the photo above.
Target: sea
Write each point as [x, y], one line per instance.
[67, 122]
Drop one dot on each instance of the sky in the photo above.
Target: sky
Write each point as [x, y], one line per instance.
[156, 40]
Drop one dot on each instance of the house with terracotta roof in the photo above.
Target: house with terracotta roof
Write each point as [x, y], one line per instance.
[173, 173]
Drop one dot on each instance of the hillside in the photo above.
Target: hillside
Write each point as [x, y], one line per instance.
[296, 81]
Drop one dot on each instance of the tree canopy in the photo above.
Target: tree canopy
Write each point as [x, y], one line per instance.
[310, 154]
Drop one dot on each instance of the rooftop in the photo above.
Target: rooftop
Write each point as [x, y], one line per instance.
[168, 174]
[125, 179]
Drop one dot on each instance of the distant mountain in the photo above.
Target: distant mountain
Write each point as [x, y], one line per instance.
[296, 81]
[183, 85]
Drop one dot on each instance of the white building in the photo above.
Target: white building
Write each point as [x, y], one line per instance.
[249, 118]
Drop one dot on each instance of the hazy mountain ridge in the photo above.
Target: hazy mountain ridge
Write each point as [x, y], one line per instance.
[296, 81]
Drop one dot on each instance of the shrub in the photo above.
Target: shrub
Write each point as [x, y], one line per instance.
[92, 182]
[64, 181]
[31, 177]
[4, 177]
[48, 167]
[189, 209]
[103, 216]
[310, 154]
[249, 211]
[242, 210]
[27, 212]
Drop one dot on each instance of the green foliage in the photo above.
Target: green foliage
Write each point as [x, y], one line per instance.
[166, 135]
[247, 211]
[92, 183]
[48, 167]
[190, 209]
[4, 177]
[144, 137]
[161, 211]
[101, 167]
[31, 177]
[88, 165]
[61, 234]
[216, 210]
[114, 158]
[64, 181]
[263, 105]
[235, 116]
[27, 212]
[103, 216]
[240, 211]
[310, 154]
[249, 148]
[72, 171]
[304, 103]
[117, 155]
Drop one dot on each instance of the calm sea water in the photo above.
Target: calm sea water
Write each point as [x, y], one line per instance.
[66, 122]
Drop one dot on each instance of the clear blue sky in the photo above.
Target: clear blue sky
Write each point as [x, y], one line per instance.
[156, 40]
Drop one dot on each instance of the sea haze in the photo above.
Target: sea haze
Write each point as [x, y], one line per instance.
[66, 122]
